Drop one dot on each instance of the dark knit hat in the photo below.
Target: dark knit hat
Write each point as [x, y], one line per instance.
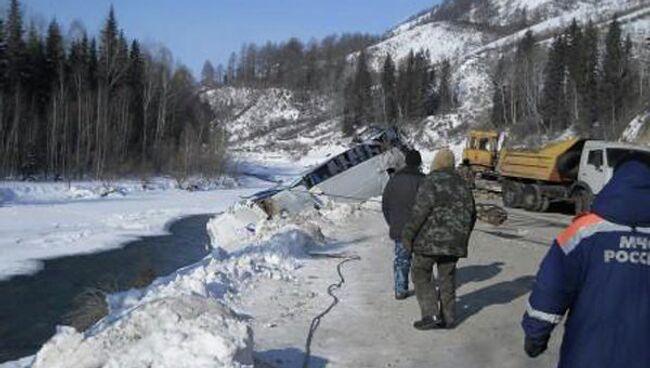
[413, 158]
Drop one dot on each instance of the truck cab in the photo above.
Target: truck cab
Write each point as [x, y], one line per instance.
[597, 163]
[482, 150]
[572, 170]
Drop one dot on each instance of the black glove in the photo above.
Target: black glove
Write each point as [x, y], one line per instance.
[535, 346]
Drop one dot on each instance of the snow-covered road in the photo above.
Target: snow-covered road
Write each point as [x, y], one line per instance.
[369, 328]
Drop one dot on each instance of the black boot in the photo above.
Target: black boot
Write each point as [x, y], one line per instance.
[429, 323]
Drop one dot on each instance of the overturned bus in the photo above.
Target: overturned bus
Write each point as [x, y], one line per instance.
[355, 175]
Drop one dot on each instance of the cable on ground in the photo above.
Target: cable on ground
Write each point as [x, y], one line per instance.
[335, 300]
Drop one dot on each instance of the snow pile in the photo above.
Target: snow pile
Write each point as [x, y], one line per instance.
[236, 226]
[246, 223]
[186, 331]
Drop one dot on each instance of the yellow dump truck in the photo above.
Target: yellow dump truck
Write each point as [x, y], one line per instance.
[572, 170]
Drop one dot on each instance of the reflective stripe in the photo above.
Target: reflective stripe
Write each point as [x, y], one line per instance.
[543, 316]
[586, 226]
[579, 224]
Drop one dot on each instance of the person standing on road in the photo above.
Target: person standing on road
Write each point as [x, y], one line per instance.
[397, 201]
[438, 233]
[599, 270]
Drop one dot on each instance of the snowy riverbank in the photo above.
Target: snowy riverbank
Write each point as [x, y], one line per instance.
[189, 315]
[41, 221]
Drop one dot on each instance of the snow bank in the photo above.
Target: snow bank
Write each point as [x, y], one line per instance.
[246, 223]
[185, 331]
[184, 319]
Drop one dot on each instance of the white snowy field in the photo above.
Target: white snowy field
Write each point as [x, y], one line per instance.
[41, 221]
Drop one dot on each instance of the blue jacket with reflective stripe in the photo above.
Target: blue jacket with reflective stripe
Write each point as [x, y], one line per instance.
[598, 271]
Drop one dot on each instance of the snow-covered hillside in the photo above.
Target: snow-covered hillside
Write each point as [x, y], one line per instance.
[278, 122]
[443, 40]
[471, 36]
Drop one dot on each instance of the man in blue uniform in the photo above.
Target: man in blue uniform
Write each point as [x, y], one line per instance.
[599, 271]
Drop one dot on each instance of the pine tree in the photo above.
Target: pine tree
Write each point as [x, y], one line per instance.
[444, 87]
[389, 87]
[349, 118]
[55, 52]
[136, 82]
[553, 105]
[15, 44]
[37, 91]
[208, 77]
[524, 91]
[231, 71]
[362, 88]
[501, 103]
[590, 104]
[405, 86]
[612, 87]
[576, 62]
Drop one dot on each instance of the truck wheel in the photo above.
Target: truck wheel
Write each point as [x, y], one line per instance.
[582, 199]
[531, 199]
[518, 190]
[546, 203]
[508, 194]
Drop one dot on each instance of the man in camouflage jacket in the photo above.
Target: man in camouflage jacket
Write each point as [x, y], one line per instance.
[437, 233]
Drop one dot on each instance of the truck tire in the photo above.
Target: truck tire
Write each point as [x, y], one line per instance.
[518, 189]
[546, 203]
[582, 199]
[533, 200]
[530, 198]
[508, 194]
[512, 194]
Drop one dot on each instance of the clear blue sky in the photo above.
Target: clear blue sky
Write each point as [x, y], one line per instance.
[196, 30]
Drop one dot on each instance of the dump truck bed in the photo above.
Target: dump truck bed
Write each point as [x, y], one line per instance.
[539, 165]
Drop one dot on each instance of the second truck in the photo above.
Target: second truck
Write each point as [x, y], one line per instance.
[572, 170]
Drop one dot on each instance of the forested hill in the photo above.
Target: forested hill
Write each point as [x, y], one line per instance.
[97, 106]
[535, 68]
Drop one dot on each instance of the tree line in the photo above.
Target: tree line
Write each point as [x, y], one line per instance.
[589, 82]
[315, 66]
[97, 106]
[399, 94]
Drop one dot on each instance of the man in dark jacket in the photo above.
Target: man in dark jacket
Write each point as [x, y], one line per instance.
[397, 201]
[438, 232]
[599, 270]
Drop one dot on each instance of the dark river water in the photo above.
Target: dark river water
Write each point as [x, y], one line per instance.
[32, 306]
